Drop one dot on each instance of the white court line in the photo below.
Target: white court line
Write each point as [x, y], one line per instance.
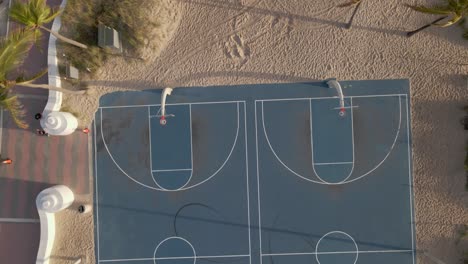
[149, 105]
[333, 163]
[311, 139]
[330, 97]
[391, 148]
[258, 185]
[352, 139]
[312, 146]
[191, 145]
[187, 188]
[205, 257]
[172, 238]
[274, 152]
[122, 260]
[337, 252]
[410, 178]
[173, 258]
[151, 149]
[96, 176]
[248, 188]
[191, 156]
[342, 233]
[19, 220]
[349, 181]
[150, 144]
[173, 170]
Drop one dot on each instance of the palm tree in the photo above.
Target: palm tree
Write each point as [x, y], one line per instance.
[13, 52]
[455, 10]
[356, 4]
[35, 14]
[12, 105]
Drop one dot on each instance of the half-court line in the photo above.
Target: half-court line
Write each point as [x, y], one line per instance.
[338, 252]
[173, 258]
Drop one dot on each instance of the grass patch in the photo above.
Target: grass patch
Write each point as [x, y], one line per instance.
[80, 21]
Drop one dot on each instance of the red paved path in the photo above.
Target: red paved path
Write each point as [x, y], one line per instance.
[38, 162]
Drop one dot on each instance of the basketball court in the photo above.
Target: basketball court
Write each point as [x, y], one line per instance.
[255, 174]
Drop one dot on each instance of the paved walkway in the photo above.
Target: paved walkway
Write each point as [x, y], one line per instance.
[38, 162]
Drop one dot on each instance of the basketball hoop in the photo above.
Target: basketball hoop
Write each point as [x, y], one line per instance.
[334, 84]
[342, 112]
[166, 91]
[162, 121]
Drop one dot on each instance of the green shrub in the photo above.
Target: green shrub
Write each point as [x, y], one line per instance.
[80, 21]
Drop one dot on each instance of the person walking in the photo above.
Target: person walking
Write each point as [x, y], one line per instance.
[41, 132]
[7, 161]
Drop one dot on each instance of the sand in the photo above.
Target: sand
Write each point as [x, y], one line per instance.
[219, 42]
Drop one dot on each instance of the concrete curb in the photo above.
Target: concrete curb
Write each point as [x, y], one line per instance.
[54, 102]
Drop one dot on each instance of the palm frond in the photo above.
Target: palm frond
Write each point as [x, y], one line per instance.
[52, 16]
[19, 12]
[13, 105]
[452, 21]
[24, 80]
[33, 13]
[14, 50]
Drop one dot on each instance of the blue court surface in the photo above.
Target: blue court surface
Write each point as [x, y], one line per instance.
[256, 174]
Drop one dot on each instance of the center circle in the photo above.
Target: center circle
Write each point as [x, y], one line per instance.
[176, 250]
[336, 247]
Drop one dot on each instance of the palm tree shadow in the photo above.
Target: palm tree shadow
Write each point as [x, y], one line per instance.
[184, 80]
[31, 106]
[262, 11]
[303, 18]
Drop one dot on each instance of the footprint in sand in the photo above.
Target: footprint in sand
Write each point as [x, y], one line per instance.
[284, 24]
[236, 48]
